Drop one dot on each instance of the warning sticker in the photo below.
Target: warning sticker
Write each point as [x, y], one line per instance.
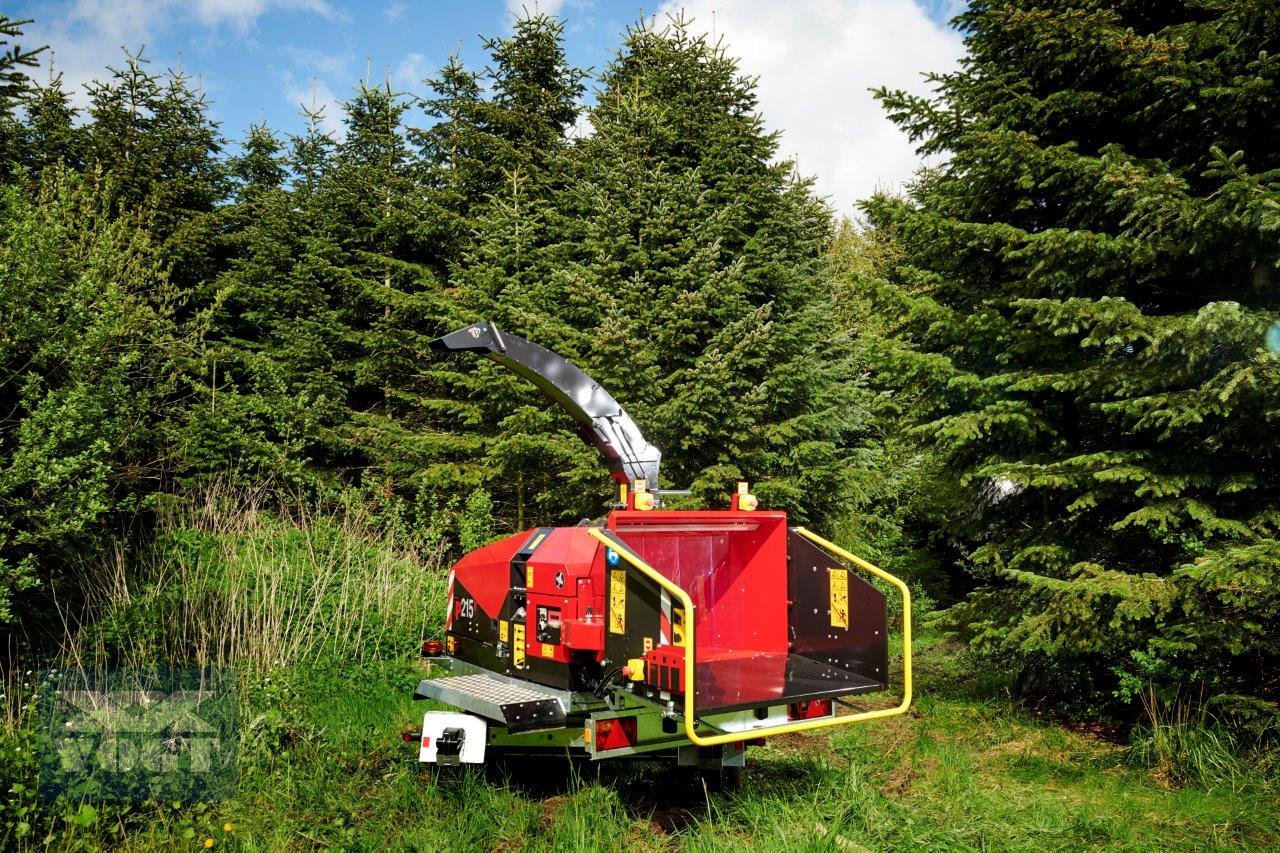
[528, 577]
[618, 601]
[504, 630]
[839, 598]
[517, 647]
[548, 650]
[677, 626]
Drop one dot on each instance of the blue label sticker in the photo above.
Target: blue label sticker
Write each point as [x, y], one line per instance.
[611, 556]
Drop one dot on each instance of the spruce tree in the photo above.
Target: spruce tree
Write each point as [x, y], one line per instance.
[267, 398]
[52, 136]
[151, 144]
[497, 160]
[383, 221]
[1083, 290]
[534, 100]
[679, 264]
[15, 88]
[712, 251]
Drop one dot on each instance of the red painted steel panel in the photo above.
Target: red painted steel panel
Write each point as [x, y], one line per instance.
[559, 560]
[733, 565]
[486, 572]
[584, 636]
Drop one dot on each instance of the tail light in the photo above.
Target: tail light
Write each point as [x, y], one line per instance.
[618, 733]
[814, 709]
[432, 647]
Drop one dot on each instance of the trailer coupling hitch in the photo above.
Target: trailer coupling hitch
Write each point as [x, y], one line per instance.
[449, 746]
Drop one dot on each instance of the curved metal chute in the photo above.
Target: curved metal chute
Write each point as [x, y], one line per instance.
[601, 421]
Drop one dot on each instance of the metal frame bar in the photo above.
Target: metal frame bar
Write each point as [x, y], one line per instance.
[690, 719]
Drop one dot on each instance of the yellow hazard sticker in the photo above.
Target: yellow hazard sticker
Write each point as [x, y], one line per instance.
[548, 650]
[504, 630]
[677, 626]
[618, 601]
[517, 647]
[528, 577]
[839, 598]
[648, 644]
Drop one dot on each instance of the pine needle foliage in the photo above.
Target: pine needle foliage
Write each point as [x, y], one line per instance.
[676, 260]
[1082, 295]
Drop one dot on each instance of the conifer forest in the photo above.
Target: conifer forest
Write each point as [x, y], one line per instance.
[1041, 385]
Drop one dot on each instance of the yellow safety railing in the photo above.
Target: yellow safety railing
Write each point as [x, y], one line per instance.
[690, 720]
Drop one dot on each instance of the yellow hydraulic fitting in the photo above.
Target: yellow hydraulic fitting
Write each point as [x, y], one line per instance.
[643, 497]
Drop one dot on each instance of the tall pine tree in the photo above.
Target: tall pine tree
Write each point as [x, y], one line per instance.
[267, 398]
[1083, 291]
[52, 136]
[678, 263]
[497, 157]
[15, 88]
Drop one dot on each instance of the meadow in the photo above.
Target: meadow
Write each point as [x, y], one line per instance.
[322, 619]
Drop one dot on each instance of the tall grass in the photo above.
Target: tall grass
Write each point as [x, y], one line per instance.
[239, 579]
[1183, 741]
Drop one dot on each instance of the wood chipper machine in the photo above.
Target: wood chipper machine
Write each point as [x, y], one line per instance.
[685, 634]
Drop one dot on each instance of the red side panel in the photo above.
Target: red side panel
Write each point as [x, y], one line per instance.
[486, 572]
[556, 575]
[732, 564]
[560, 560]
[583, 635]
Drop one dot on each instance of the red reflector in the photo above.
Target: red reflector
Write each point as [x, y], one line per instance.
[811, 710]
[426, 741]
[615, 734]
[432, 647]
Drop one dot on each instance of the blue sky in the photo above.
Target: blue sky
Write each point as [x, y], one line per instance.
[257, 60]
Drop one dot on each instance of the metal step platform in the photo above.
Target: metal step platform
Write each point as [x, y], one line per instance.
[521, 707]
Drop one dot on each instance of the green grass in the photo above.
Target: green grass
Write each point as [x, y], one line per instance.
[322, 763]
[324, 766]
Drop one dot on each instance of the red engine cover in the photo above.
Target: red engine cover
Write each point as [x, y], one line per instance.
[486, 572]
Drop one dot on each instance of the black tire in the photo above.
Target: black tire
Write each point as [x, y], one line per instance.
[722, 780]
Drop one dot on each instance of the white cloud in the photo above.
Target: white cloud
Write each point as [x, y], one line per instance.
[394, 12]
[311, 82]
[411, 71]
[243, 13]
[314, 94]
[317, 61]
[816, 60]
[90, 37]
[547, 7]
[90, 34]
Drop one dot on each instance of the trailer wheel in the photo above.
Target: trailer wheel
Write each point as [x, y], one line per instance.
[722, 780]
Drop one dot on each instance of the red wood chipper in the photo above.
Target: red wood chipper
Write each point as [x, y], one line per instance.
[684, 634]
